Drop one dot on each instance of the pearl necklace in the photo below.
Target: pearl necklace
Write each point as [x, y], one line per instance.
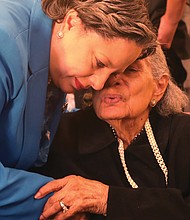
[154, 148]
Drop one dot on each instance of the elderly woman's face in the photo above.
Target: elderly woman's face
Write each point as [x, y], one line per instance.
[126, 95]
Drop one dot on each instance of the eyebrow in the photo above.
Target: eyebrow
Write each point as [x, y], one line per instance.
[138, 63]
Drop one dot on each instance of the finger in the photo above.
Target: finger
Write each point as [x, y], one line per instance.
[50, 211]
[68, 215]
[56, 198]
[52, 186]
[81, 216]
[78, 216]
[71, 214]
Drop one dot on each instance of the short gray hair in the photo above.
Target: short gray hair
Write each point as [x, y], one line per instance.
[174, 99]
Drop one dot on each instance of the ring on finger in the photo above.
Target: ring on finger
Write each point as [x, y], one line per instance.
[63, 206]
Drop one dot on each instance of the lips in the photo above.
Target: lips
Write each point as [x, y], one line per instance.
[78, 84]
[112, 99]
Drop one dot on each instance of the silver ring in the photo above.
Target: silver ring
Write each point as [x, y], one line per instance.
[63, 206]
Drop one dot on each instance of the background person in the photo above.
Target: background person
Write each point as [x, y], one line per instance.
[173, 36]
[130, 155]
[75, 44]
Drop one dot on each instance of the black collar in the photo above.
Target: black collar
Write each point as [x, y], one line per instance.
[95, 134]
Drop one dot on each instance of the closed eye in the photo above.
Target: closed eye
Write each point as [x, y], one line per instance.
[131, 69]
[99, 64]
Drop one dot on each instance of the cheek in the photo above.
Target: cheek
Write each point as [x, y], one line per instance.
[79, 57]
[145, 97]
[140, 95]
[99, 107]
[145, 88]
[79, 68]
[96, 102]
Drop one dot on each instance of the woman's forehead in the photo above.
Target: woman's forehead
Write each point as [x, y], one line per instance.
[142, 64]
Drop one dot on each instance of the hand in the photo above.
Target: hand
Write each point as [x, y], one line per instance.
[80, 195]
[78, 216]
[166, 32]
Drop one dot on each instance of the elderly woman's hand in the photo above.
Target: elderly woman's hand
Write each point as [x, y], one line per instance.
[78, 216]
[72, 195]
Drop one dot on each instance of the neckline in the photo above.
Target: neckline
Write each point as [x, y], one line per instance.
[155, 150]
[131, 142]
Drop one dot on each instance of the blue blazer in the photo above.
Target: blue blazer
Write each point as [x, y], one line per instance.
[25, 34]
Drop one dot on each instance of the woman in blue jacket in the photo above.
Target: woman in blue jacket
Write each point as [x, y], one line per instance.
[48, 48]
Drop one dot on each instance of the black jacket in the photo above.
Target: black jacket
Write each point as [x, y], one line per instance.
[84, 145]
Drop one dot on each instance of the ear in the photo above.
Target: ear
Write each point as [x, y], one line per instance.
[160, 87]
[72, 20]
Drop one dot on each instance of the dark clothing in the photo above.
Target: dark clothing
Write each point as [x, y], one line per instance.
[181, 41]
[180, 48]
[85, 145]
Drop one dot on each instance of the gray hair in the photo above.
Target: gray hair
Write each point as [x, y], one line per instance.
[109, 18]
[174, 99]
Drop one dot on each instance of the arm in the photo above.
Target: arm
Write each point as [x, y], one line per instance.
[169, 22]
[80, 195]
[148, 204]
[16, 194]
[122, 202]
[83, 195]
[119, 202]
[17, 187]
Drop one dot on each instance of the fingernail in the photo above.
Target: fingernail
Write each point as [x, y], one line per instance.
[42, 217]
[37, 196]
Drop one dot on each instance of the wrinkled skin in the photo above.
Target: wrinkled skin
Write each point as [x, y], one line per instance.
[80, 195]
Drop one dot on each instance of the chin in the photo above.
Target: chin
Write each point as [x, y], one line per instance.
[111, 112]
[108, 116]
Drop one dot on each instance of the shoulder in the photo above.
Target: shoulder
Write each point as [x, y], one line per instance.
[14, 28]
[81, 127]
[171, 122]
[179, 134]
[172, 129]
[72, 132]
[180, 121]
[81, 118]
[15, 16]
[72, 122]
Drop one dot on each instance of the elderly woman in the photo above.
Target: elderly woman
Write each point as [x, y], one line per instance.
[132, 151]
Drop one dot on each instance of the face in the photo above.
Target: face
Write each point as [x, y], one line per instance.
[85, 59]
[126, 95]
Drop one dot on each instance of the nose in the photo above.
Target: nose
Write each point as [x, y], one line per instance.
[113, 80]
[99, 79]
